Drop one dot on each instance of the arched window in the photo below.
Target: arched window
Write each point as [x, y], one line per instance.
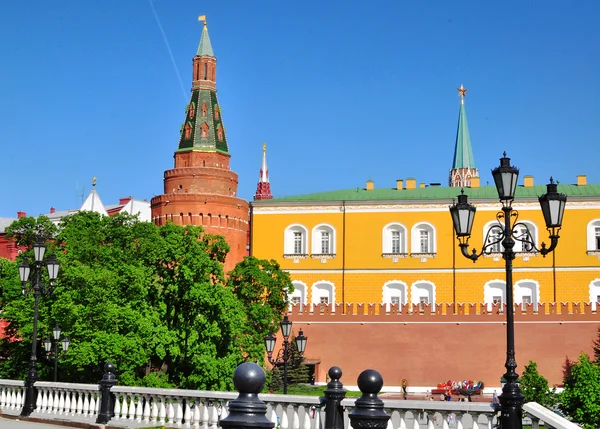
[217, 112]
[323, 293]
[191, 110]
[188, 131]
[423, 239]
[595, 294]
[422, 293]
[593, 236]
[394, 292]
[299, 296]
[295, 240]
[204, 130]
[323, 240]
[527, 292]
[495, 233]
[525, 230]
[494, 292]
[220, 132]
[204, 110]
[394, 239]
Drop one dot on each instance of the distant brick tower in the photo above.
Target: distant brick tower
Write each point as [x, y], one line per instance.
[463, 166]
[201, 189]
[263, 189]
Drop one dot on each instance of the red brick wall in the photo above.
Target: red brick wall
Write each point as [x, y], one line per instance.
[427, 350]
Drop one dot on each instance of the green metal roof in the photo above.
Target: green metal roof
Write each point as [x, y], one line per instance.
[205, 48]
[213, 119]
[433, 193]
[463, 152]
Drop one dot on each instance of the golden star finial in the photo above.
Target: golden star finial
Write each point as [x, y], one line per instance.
[202, 18]
[264, 146]
[462, 91]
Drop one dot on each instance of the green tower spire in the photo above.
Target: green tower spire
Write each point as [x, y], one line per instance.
[463, 152]
[205, 48]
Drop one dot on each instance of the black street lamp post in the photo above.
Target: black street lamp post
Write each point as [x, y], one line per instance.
[56, 354]
[37, 288]
[284, 353]
[505, 232]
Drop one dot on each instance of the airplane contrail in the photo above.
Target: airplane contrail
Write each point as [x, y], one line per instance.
[164, 36]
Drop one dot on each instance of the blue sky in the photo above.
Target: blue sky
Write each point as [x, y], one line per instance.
[341, 91]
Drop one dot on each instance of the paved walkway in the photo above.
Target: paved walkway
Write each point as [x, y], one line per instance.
[17, 424]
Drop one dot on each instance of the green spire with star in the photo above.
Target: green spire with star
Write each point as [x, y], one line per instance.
[463, 152]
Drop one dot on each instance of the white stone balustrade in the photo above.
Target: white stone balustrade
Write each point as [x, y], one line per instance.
[135, 406]
[12, 396]
[67, 399]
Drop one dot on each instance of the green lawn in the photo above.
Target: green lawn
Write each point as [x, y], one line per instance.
[308, 390]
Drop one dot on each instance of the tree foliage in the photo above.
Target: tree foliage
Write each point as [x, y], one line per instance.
[27, 230]
[534, 386]
[153, 300]
[262, 287]
[580, 398]
[596, 346]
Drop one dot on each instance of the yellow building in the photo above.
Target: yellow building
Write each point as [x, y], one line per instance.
[386, 245]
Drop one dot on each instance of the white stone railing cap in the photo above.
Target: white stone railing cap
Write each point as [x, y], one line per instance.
[12, 382]
[435, 406]
[549, 417]
[67, 386]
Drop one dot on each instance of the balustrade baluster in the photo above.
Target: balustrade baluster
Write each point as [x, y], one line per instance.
[42, 400]
[432, 420]
[3, 397]
[214, 416]
[53, 403]
[170, 410]
[390, 425]
[459, 418]
[187, 413]
[79, 402]
[131, 408]
[224, 412]
[61, 401]
[13, 399]
[306, 421]
[401, 419]
[178, 418]
[154, 411]
[271, 413]
[475, 421]
[196, 413]
[117, 409]
[93, 405]
[86, 404]
[295, 417]
[139, 408]
[284, 421]
[204, 423]
[124, 406]
[162, 410]
[147, 408]
[68, 402]
[535, 422]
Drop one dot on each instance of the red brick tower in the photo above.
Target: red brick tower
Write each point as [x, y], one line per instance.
[263, 189]
[201, 189]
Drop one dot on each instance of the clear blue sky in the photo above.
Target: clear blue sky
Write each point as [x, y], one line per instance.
[341, 91]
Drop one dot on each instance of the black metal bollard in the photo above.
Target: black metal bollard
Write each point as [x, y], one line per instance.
[368, 412]
[334, 394]
[107, 401]
[247, 410]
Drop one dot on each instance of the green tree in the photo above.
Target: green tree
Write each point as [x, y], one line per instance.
[27, 230]
[580, 398]
[534, 386]
[153, 300]
[262, 287]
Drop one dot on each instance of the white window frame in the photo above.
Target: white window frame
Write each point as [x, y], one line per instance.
[594, 292]
[498, 247]
[387, 238]
[323, 288]
[300, 290]
[289, 239]
[416, 238]
[533, 231]
[394, 289]
[422, 289]
[491, 290]
[527, 288]
[591, 235]
[317, 239]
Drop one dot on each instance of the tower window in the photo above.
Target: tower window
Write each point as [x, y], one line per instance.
[220, 133]
[204, 130]
[217, 113]
[204, 110]
[188, 131]
[205, 71]
[191, 111]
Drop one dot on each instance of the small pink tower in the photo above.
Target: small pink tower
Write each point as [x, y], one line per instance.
[263, 189]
